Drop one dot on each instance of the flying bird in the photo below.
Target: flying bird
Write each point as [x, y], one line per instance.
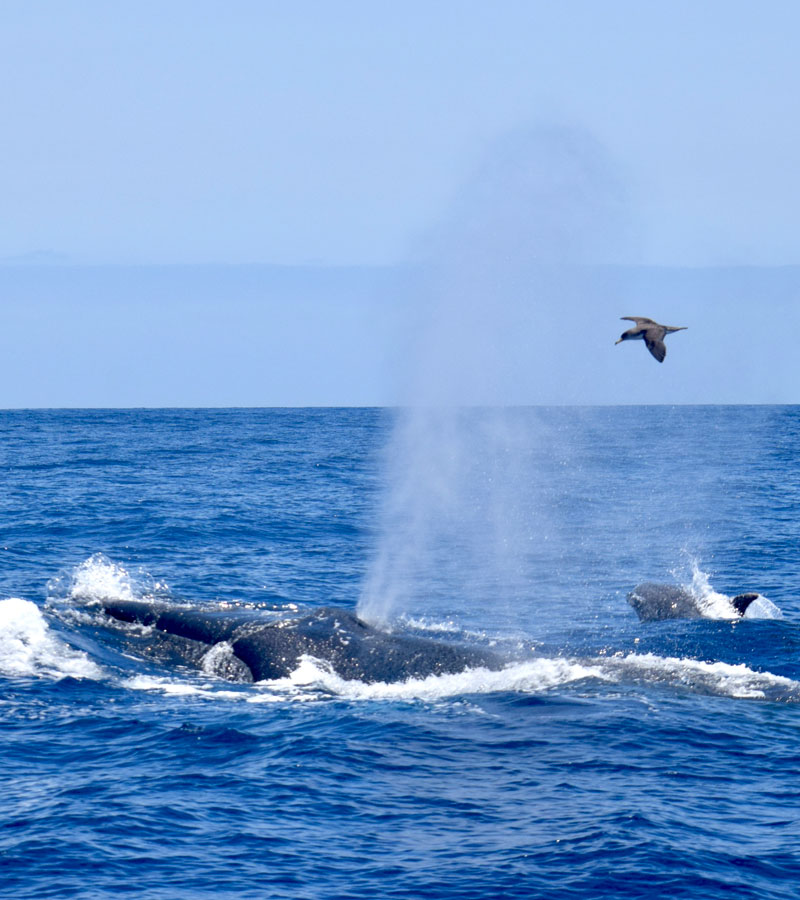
[651, 333]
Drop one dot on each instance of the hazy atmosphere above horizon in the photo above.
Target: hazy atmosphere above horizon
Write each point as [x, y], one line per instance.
[466, 196]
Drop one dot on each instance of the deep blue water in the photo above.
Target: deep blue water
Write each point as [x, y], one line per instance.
[611, 758]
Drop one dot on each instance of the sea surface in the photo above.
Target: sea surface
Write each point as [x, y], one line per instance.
[608, 758]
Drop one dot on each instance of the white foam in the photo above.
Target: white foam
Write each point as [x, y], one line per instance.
[214, 690]
[531, 676]
[314, 680]
[725, 679]
[29, 648]
[175, 688]
[544, 674]
[422, 623]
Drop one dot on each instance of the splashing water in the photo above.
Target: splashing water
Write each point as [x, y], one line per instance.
[99, 578]
[29, 648]
[314, 681]
[714, 605]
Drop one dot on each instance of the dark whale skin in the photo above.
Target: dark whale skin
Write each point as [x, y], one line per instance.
[263, 651]
[654, 602]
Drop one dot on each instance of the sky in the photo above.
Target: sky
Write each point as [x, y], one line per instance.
[475, 140]
[256, 131]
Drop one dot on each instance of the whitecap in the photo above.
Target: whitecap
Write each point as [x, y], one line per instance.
[532, 676]
[738, 680]
[28, 647]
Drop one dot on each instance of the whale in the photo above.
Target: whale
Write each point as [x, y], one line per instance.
[654, 602]
[240, 645]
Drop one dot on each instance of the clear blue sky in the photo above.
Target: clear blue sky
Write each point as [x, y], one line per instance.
[337, 132]
[481, 138]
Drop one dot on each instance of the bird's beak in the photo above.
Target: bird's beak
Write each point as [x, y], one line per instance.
[618, 342]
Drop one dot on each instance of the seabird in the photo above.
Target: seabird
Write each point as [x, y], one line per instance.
[651, 333]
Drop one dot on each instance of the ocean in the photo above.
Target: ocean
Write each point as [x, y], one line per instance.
[605, 757]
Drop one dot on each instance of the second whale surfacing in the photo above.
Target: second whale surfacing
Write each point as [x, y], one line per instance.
[240, 646]
[654, 602]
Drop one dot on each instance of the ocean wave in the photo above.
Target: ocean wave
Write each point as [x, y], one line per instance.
[28, 647]
[315, 680]
[532, 676]
[738, 681]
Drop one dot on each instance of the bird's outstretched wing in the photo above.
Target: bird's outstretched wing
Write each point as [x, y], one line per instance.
[656, 347]
[640, 320]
